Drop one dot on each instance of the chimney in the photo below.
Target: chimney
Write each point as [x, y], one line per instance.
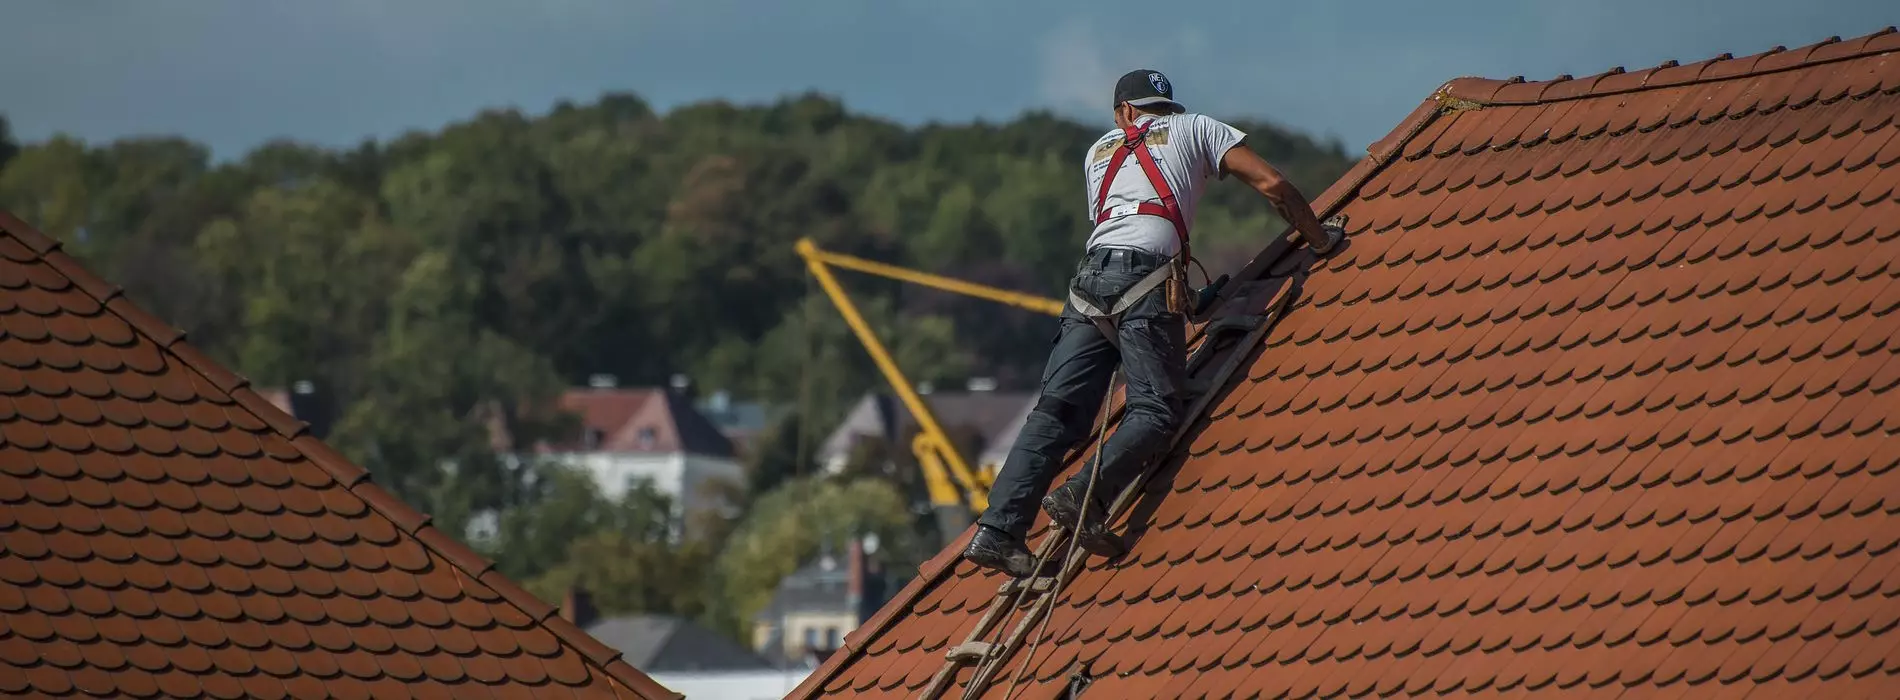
[854, 586]
[577, 607]
[311, 406]
[865, 591]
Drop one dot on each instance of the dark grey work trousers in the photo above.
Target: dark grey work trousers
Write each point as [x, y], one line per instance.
[1075, 380]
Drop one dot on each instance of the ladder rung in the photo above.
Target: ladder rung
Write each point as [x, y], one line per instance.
[1038, 584]
[969, 651]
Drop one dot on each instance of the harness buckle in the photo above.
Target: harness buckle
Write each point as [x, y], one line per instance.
[1135, 138]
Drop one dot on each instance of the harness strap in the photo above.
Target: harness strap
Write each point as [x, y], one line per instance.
[1109, 321]
[1134, 140]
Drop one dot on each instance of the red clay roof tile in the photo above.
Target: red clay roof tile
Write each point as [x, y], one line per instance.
[1596, 401]
[165, 530]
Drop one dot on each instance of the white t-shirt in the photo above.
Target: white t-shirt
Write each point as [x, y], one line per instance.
[1188, 149]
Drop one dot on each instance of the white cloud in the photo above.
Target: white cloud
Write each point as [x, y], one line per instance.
[1076, 71]
[1073, 69]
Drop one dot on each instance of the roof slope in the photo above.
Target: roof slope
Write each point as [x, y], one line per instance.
[603, 410]
[1598, 401]
[621, 415]
[166, 531]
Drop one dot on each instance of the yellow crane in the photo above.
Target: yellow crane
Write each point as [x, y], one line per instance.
[951, 481]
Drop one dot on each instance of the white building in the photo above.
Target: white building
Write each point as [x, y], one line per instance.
[653, 434]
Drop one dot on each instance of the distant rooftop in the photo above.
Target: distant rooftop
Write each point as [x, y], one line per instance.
[673, 644]
[657, 420]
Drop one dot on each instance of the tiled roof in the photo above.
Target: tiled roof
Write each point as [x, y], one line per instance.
[605, 410]
[1598, 401]
[167, 531]
[621, 415]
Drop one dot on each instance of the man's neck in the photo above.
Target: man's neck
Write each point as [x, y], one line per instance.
[1141, 120]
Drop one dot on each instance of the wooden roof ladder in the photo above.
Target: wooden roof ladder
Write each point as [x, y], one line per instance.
[1040, 593]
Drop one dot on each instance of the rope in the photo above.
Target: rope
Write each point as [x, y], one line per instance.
[982, 669]
[1197, 264]
[1088, 497]
[1062, 575]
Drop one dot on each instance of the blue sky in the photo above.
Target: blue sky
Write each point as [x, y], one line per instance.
[235, 73]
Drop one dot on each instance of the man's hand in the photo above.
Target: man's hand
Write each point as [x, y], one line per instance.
[1335, 228]
[1286, 199]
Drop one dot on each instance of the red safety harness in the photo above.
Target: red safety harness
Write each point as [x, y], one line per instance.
[1107, 316]
[1135, 140]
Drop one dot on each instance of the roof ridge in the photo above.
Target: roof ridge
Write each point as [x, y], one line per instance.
[1615, 81]
[354, 479]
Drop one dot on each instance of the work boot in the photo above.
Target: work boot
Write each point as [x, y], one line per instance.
[996, 550]
[1064, 506]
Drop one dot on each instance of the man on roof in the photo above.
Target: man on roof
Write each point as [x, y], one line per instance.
[1128, 305]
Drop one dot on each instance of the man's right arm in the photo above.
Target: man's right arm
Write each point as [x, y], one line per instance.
[1243, 163]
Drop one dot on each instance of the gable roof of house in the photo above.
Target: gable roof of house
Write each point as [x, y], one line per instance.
[623, 415]
[1597, 400]
[165, 530]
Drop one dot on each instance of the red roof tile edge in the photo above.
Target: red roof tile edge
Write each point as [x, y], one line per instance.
[1487, 91]
[1378, 155]
[412, 522]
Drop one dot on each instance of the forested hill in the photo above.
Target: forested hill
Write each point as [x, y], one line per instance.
[507, 256]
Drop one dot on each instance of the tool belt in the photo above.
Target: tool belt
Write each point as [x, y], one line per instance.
[1170, 278]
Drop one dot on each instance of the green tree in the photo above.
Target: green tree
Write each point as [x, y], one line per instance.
[792, 524]
[437, 385]
[50, 184]
[622, 552]
[8, 147]
[306, 321]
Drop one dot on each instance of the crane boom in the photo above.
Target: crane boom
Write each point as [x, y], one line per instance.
[1038, 304]
[936, 454]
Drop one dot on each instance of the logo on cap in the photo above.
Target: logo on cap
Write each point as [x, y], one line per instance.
[1160, 82]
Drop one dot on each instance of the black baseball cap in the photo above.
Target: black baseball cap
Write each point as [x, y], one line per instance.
[1144, 87]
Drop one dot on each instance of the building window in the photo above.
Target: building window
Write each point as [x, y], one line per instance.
[647, 438]
[592, 438]
[831, 637]
[811, 637]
